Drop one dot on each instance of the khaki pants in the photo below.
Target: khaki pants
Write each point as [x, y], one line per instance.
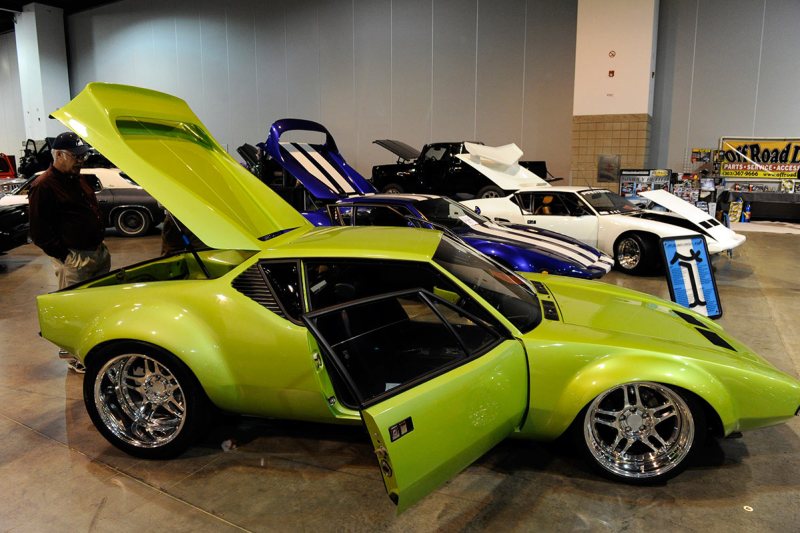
[81, 265]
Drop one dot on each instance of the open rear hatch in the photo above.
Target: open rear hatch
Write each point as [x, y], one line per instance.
[319, 167]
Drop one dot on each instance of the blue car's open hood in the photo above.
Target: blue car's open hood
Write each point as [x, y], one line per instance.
[319, 167]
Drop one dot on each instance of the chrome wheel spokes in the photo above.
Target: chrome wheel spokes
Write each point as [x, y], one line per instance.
[629, 254]
[140, 400]
[639, 430]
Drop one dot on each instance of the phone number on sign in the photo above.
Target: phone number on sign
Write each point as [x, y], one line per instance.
[757, 174]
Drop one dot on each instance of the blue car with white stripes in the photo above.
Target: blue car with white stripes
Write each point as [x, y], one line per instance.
[341, 196]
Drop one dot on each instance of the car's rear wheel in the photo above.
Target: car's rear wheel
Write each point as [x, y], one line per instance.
[641, 432]
[131, 222]
[490, 191]
[634, 254]
[393, 188]
[144, 400]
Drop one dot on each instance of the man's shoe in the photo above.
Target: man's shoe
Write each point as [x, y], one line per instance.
[76, 366]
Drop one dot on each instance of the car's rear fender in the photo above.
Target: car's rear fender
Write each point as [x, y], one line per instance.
[551, 421]
[170, 327]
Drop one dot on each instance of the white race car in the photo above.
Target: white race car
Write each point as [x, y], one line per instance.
[607, 221]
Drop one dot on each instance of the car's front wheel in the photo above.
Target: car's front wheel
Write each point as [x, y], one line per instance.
[131, 222]
[144, 400]
[641, 432]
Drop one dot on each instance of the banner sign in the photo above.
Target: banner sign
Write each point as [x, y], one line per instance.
[632, 181]
[753, 157]
[689, 274]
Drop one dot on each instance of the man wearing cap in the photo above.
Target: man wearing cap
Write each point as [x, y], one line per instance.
[65, 218]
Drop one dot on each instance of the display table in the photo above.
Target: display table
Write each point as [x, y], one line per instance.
[765, 205]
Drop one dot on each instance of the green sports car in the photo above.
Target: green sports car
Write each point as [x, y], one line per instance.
[440, 352]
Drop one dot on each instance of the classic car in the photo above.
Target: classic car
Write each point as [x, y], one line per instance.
[440, 352]
[8, 170]
[124, 204]
[606, 220]
[324, 173]
[14, 226]
[440, 169]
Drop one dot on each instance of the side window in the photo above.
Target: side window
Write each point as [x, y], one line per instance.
[525, 202]
[284, 280]
[549, 204]
[381, 215]
[574, 205]
[434, 153]
[384, 345]
[337, 281]
[341, 214]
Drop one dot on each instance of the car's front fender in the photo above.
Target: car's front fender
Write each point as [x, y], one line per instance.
[567, 399]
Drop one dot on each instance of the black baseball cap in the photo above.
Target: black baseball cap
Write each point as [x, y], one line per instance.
[70, 142]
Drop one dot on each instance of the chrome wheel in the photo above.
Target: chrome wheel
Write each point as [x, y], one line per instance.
[139, 401]
[629, 253]
[639, 431]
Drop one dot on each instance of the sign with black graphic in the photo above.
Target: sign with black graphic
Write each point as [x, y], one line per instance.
[689, 274]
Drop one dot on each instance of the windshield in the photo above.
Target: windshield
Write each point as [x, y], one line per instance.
[606, 202]
[502, 289]
[449, 213]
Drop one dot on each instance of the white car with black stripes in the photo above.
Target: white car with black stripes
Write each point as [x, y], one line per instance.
[606, 220]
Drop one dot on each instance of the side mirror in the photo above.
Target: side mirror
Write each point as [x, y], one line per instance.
[477, 209]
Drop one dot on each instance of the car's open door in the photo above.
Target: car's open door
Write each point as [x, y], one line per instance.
[436, 386]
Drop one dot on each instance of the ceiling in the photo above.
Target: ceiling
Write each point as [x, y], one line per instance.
[9, 9]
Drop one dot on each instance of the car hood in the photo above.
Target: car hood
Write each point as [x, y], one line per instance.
[501, 166]
[399, 148]
[157, 140]
[599, 306]
[319, 167]
[544, 242]
[707, 224]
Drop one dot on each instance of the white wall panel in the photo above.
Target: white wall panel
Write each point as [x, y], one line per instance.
[215, 67]
[454, 42]
[723, 68]
[779, 76]
[501, 58]
[12, 132]
[549, 76]
[242, 77]
[337, 74]
[189, 65]
[302, 59]
[409, 69]
[726, 70]
[372, 78]
[412, 42]
[270, 63]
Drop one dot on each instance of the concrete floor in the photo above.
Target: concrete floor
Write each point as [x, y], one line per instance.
[58, 474]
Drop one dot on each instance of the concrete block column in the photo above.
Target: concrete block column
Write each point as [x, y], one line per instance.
[614, 83]
[43, 73]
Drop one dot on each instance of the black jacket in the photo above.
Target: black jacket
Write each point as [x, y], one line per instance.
[64, 214]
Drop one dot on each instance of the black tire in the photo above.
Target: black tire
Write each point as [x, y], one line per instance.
[634, 254]
[641, 433]
[490, 191]
[392, 188]
[158, 384]
[132, 221]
